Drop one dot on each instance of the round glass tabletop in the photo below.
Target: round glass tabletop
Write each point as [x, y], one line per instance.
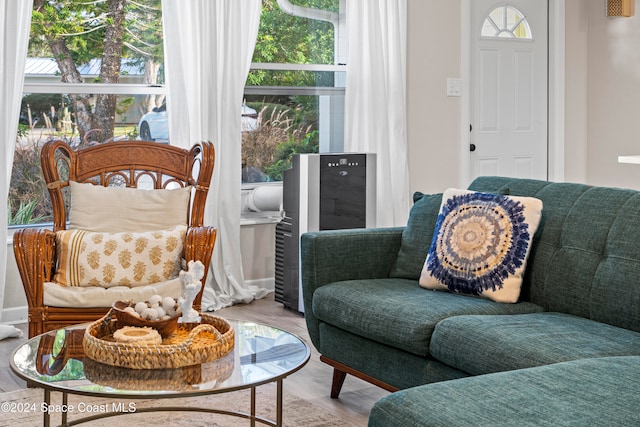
[55, 360]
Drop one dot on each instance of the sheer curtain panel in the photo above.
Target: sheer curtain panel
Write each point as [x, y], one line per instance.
[15, 21]
[375, 99]
[208, 50]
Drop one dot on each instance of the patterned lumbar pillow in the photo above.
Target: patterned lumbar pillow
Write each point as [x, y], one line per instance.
[481, 244]
[118, 259]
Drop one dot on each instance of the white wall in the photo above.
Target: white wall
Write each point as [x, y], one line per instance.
[613, 97]
[433, 119]
[576, 111]
[257, 244]
[602, 94]
[15, 303]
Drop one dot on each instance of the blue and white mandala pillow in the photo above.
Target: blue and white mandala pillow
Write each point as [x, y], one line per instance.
[481, 244]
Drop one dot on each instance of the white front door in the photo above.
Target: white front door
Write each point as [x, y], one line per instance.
[509, 111]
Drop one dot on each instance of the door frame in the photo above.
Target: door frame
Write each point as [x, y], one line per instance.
[555, 97]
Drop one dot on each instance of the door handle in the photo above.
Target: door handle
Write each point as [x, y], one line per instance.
[472, 147]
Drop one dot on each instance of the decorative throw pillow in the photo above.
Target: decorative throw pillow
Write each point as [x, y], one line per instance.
[118, 259]
[481, 244]
[118, 209]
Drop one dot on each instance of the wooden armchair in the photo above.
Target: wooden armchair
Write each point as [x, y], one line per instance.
[113, 164]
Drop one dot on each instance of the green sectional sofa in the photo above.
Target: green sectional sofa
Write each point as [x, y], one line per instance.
[567, 352]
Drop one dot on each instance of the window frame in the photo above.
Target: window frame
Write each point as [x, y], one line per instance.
[94, 88]
[296, 90]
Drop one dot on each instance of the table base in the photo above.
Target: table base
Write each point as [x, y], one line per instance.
[251, 416]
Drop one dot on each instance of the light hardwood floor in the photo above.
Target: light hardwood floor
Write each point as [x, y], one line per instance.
[312, 383]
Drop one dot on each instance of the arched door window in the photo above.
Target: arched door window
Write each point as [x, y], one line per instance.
[506, 22]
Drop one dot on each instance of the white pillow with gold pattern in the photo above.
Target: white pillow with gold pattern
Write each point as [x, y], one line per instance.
[115, 259]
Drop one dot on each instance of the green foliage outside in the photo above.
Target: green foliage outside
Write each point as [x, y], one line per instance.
[284, 39]
[292, 120]
[82, 26]
[28, 201]
[25, 214]
[23, 131]
[74, 32]
[286, 150]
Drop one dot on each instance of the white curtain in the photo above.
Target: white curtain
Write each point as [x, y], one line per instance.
[14, 40]
[208, 50]
[375, 100]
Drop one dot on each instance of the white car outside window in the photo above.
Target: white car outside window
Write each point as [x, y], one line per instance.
[154, 126]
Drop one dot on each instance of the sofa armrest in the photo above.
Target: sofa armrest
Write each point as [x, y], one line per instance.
[337, 255]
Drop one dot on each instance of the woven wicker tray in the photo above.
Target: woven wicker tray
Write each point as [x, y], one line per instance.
[190, 344]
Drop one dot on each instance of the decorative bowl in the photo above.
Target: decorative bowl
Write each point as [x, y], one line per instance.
[164, 327]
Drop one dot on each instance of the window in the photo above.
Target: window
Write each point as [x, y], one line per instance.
[506, 22]
[295, 85]
[294, 98]
[74, 92]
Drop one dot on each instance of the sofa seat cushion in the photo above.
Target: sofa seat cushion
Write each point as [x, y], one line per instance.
[484, 344]
[373, 358]
[588, 392]
[56, 295]
[398, 312]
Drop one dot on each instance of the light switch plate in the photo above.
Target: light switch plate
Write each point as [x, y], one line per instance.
[454, 87]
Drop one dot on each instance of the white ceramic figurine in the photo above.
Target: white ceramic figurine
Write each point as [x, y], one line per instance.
[190, 282]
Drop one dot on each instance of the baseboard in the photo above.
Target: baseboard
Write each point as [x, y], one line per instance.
[268, 283]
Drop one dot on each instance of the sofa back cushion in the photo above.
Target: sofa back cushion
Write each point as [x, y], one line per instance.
[417, 236]
[585, 256]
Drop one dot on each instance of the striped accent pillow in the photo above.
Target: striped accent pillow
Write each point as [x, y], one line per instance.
[118, 259]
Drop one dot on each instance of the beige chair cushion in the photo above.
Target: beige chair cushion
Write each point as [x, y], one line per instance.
[117, 209]
[56, 295]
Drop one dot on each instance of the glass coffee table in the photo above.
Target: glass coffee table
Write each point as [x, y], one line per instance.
[262, 354]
